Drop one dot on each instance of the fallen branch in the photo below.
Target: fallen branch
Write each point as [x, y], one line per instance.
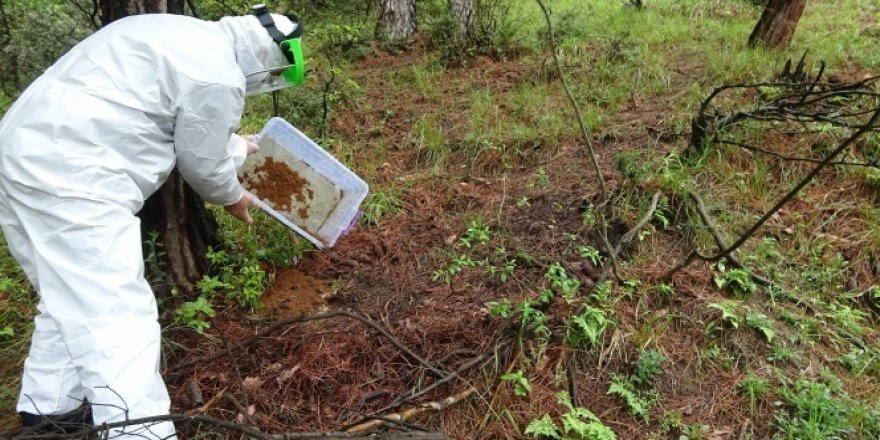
[719, 241]
[401, 400]
[723, 253]
[245, 431]
[440, 405]
[796, 158]
[626, 238]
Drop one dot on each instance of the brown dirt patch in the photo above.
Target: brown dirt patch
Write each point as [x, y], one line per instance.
[294, 293]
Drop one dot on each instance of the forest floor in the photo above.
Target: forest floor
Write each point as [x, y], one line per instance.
[430, 270]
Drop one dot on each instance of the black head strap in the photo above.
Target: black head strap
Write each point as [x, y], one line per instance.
[262, 14]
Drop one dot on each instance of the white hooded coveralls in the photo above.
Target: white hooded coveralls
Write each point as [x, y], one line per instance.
[80, 151]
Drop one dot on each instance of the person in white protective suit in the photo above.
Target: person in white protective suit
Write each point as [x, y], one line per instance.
[80, 151]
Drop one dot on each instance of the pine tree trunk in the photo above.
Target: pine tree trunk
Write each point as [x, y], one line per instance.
[397, 19]
[462, 10]
[185, 227]
[777, 23]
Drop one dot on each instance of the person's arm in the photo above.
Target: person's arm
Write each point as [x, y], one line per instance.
[240, 147]
[205, 122]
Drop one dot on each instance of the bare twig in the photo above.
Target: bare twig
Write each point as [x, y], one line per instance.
[626, 238]
[91, 16]
[719, 240]
[412, 397]
[794, 158]
[440, 405]
[574, 104]
[723, 253]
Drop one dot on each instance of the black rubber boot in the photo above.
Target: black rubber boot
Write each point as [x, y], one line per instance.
[71, 422]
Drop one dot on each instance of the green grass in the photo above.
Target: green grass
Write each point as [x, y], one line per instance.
[17, 307]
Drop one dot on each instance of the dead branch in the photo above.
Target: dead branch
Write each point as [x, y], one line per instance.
[440, 405]
[404, 399]
[723, 253]
[796, 99]
[243, 409]
[649, 214]
[781, 156]
[246, 431]
[719, 241]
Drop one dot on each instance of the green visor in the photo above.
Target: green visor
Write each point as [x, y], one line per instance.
[290, 45]
[292, 49]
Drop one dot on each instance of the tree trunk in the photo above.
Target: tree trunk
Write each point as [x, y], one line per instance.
[112, 10]
[777, 23]
[462, 10]
[397, 19]
[185, 227]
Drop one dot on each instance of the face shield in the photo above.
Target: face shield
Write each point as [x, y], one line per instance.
[286, 31]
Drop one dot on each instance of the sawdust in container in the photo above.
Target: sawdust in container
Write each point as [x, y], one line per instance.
[296, 179]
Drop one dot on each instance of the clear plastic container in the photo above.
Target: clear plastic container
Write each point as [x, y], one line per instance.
[302, 186]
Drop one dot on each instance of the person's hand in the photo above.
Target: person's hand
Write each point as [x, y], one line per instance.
[252, 146]
[239, 209]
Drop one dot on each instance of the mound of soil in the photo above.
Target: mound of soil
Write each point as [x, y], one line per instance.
[294, 293]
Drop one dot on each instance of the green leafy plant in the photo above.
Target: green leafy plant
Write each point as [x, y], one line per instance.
[561, 283]
[454, 268]
[602, 292]
[154, 259]
[754, 388]
[665, 290]
[503, 308]
[650, 364]
[814, 410]
[588, 217]
[586, 329]
[195, 315]
[504, 272]
[533, 318]
[591, 254]
[630, 287]
[673, 422]
[252, 278]
[662, 213]
[7, 331]
[728, 309]
[861, 361]
[637, 404]
[521, 386]
[577, 424]
[477, 233]
[762, 323]
[540, 179]
[380, 204]
[781, 352]
[737, 280]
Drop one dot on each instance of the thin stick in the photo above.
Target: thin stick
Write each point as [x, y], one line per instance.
[719, 241]
[574, 104]
[649, 214]
[440, 405]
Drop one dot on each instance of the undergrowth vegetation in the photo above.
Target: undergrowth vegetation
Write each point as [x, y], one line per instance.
[711, 352]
